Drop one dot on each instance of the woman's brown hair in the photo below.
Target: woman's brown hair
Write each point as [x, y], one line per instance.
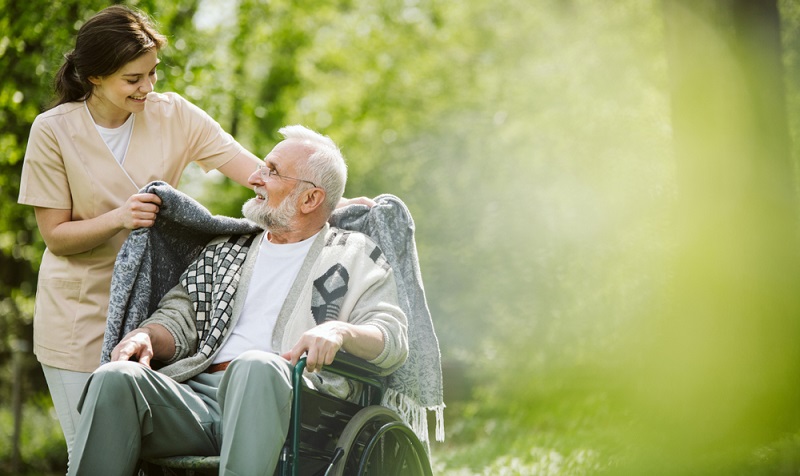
[110, 39]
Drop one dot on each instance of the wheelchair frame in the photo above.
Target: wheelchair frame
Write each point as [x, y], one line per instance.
[373, 441]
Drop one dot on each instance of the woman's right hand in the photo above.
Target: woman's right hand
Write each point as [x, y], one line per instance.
[66, 236]
[139, 211]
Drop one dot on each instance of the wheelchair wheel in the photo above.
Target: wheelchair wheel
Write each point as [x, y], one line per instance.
[377, 442]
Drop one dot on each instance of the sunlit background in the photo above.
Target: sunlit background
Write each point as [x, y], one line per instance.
[604, 194]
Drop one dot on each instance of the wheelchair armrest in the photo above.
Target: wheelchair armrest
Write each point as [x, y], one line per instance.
[351, 364]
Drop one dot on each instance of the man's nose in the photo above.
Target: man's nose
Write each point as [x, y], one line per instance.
[255, 178]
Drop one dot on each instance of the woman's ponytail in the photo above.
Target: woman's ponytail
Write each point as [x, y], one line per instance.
[68, 84]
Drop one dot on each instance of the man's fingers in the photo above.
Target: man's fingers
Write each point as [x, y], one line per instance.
[319, 346]
[311, 359]
[145, 360]
[115, 355]
[121, 352]
[135, 344]
[294, 354]
[330, 357]
[320, 355]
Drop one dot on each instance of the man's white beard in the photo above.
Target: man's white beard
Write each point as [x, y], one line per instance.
[271, 218]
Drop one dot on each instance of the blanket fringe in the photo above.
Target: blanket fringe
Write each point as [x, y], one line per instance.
[415, 415]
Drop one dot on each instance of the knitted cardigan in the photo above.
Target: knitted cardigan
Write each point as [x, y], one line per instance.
[344, 276]
[152, 260]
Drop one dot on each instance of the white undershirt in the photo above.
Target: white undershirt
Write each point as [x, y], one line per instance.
[274, 272]
[117, 139]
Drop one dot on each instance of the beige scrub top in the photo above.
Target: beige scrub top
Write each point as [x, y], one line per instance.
[68, 166]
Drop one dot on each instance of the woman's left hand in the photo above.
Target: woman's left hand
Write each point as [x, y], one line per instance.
[356, 201]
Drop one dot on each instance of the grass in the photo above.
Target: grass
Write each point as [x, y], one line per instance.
[539, 427]
[577, 432]
[544, 428]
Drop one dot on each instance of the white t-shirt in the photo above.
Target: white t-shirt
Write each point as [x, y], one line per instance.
[117, 139]
[275, 270]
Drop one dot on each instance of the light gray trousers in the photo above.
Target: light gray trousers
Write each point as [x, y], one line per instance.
[66, 388]
[130, 412]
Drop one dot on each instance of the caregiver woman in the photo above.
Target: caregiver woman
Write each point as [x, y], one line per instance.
[86, 159]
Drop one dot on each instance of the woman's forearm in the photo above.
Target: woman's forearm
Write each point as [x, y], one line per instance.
[65, 236]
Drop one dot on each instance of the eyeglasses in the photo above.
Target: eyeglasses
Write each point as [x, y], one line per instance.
[267, 173]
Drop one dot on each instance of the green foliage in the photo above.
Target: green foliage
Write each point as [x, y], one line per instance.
[42, 447]
[33, 38]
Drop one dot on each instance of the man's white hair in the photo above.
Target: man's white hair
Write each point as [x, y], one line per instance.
[325, 167]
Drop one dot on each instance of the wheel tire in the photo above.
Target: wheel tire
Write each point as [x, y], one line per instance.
[377, 442]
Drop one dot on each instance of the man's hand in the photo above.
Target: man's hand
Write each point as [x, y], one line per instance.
[136, 345]
[320, 343]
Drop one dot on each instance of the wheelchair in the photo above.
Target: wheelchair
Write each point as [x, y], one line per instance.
[329, 436]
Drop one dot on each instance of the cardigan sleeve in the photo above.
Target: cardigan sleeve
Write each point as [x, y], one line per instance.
[377, 305]
[176, 313]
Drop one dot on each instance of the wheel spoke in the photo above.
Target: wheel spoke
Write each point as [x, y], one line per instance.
[377, 443]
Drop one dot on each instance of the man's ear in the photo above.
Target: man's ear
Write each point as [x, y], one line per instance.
[311, 200]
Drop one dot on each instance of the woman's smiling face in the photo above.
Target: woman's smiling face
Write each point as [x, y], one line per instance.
[125, 91]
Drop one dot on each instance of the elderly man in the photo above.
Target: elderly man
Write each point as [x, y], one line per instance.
[243, 313]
